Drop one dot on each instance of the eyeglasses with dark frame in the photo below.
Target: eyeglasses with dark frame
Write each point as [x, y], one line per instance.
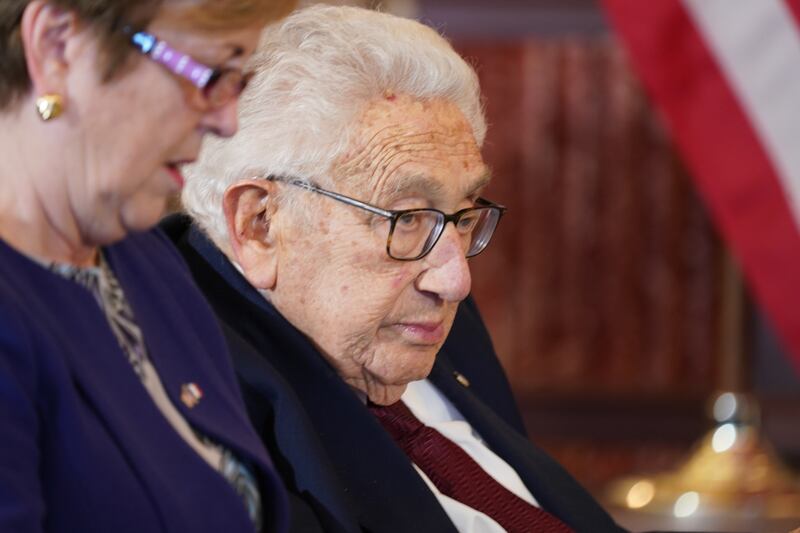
[217, 85]
[414, 232]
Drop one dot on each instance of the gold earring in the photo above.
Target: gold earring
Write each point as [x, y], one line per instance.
[49, 106]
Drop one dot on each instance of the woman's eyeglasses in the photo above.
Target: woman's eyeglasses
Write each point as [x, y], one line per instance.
[217, 85]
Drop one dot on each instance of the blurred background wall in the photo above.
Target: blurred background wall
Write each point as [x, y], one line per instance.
[605, 289]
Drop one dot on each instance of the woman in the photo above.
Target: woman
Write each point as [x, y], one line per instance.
[118, 408]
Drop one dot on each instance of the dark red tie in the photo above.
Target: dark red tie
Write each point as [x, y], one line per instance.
[456, 475]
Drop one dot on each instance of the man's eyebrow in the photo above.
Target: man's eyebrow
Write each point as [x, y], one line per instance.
[482, 181]
[431, 188]
[415, 184]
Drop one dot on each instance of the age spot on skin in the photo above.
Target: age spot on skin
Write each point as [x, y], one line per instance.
[398, 281]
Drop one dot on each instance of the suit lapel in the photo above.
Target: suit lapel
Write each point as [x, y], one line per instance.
[391, 495]
[372, 469]
[554, 489]
[286, 430]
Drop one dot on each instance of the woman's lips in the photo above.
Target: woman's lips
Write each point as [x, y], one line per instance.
[422, 332]
[175, 172]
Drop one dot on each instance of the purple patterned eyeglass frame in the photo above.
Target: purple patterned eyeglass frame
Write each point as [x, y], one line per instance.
[183, 65]
[229, 82]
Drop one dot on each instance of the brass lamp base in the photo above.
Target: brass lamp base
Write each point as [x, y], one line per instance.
[731, 472]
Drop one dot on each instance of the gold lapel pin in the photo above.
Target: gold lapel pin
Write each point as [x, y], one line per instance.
[461, 378]
[191, 394]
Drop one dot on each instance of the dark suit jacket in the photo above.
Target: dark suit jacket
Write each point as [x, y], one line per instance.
[357, 477]
[83, 447]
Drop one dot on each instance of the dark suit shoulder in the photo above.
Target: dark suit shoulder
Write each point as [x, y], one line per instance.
[469, 351]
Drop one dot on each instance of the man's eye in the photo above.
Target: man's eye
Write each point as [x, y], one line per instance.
[408, 221]
[468, 222]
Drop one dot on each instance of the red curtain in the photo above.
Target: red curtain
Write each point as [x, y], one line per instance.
[603, 276]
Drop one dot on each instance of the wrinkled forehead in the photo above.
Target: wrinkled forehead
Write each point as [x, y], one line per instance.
[409, 147]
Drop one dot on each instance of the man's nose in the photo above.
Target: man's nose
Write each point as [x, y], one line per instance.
[447, 274]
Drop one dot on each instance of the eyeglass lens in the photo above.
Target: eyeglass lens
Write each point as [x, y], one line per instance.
[224, 86]
[415, 233]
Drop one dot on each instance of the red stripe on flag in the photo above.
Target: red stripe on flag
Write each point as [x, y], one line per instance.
[794, 7]
[722, 150]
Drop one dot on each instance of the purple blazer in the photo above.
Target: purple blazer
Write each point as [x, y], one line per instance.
[82, 445]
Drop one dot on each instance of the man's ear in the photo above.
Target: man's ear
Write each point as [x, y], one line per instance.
[249, 209]
[45, 31]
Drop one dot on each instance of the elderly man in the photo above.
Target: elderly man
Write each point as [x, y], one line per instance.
[332, 237]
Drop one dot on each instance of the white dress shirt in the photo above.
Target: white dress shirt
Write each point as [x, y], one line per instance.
[436, 411]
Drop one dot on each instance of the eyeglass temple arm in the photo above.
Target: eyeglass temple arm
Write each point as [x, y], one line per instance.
[336, 196]
[352, 201]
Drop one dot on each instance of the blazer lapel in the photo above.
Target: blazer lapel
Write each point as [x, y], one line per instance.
[181, 358]
[178, 356]
[117, 398]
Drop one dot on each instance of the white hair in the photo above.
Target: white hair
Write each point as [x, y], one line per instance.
[315, 73]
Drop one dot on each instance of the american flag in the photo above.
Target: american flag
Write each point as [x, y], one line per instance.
[725, 74]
